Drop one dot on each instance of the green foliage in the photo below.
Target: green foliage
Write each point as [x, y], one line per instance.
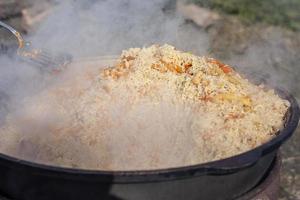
[284, 13]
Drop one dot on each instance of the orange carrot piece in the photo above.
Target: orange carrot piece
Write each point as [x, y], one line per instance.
[226, 69]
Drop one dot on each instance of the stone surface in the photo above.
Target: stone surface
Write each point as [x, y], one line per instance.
[268, 189]
[33, 15]
[9, 8]
[203, 17]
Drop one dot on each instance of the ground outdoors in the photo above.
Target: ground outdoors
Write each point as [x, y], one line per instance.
[260, 37]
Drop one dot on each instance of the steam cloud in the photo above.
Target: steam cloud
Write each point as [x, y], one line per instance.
[96, 28]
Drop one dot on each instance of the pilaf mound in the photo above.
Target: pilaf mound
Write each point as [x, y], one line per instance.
[156, 107]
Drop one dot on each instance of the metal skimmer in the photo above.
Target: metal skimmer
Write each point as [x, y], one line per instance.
[39, 57]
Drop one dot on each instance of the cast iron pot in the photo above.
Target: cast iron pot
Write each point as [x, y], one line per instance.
[223, 179]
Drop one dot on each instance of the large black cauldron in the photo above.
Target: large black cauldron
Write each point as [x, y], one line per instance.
[222, 179]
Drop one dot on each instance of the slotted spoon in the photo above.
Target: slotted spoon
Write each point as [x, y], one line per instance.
[39, 57]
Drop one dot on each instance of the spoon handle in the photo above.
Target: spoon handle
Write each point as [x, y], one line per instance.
[16, 34]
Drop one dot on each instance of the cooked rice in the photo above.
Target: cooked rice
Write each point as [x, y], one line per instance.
[157, 107]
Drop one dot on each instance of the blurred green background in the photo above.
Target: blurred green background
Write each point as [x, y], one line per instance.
[285, 13]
